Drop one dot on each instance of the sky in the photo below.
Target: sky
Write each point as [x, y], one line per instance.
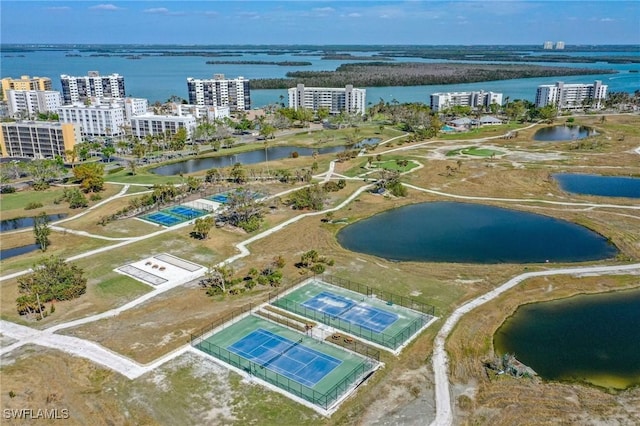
[470, 22]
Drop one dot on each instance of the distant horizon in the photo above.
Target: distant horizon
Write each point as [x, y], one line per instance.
[277, 22]
[46, 44]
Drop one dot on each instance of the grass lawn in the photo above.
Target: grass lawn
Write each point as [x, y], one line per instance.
[61, 244]
[475, 151]
[483, 132]
[142, 176]
[393, 165]
[12, 205]
[118, 228]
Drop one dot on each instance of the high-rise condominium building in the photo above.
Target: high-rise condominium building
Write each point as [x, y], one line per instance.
[28, 103]
[571, 96]
[219, 91]
[335, 99]
[103, 116]
[38, 139]
[76, 89]
[548, 45]
[560, 45]
[150, 124]
[25, 83]
[481, 99]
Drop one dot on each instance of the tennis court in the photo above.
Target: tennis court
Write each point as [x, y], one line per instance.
[311, 369]
[163, 218]
[219, 198]
[173, 215]
[287, 357]
[365, 316]
[185, 211]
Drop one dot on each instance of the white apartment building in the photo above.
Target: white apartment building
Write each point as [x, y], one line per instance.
[220, 92]
[571, 96]
[201, 111]
[103, 116]
[76, 89]
[481, 99]
[149, 124]
[28, 103]
[38, 139]
[335, 99]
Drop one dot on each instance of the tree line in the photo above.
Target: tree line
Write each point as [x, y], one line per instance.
[380, 74]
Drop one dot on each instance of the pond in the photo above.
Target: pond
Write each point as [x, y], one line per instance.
[472, 233]
[587, 338]
[26, 222]
[563, 133]
[606, 186]
[17, 251]
[251, 157]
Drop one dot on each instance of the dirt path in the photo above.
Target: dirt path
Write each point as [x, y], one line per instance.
[440, 360]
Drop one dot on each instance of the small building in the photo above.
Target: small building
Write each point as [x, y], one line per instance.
[488, 120]
[463, 122]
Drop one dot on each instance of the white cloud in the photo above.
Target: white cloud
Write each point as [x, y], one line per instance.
[249, 15]
[58, 8]
[607, 20]
[355, 15]
[106, 7]
[156, 10]
[323, 9]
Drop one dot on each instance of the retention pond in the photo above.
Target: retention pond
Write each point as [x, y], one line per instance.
[605, 186]
[588, 338]
[472, 233]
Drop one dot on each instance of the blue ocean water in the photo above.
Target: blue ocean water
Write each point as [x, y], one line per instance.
[159, 77]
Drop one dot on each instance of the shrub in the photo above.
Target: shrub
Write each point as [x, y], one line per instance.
[95, 197]
[33, 205]
[295, 154]
[318, 268]
[115, 170]
[7, 190]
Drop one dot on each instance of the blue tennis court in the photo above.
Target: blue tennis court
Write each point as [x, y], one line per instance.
[287, 357]
[365, 316]
[163, 218]
[219, 198]
[185, 211]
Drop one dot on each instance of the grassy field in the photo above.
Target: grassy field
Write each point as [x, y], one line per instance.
[13, 205]
[475, 151]
[164, 323]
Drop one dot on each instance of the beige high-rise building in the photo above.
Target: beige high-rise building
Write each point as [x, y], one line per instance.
[25, 83]
[29, 139]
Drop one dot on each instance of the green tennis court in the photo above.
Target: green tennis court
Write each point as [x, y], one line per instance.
[308, 368]
[364, 316]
